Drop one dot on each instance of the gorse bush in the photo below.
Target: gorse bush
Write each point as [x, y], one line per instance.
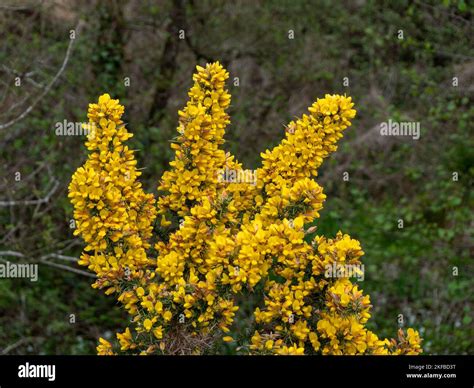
[178, 264]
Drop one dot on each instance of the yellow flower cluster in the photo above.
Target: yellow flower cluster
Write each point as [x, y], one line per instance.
[200, 134]
[310, 313]
[214, 239]
[113, 214]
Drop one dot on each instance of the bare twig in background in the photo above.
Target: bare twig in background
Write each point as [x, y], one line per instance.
[48, 87]
[19, 8]
[26, 76]
[33, 201]
[12, 253]
[58, 256]
[65, 267]
[44, 260]
[20, 342]
[31, 175]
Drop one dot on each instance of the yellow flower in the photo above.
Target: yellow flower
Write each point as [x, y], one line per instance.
[159, 307]
[158, 332]
[147, 324]
[164, 222]
[104, 348]
[167, 316]
[218, 235]
[126, 340]
[269, 344]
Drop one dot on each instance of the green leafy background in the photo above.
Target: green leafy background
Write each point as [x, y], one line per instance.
[409, 271]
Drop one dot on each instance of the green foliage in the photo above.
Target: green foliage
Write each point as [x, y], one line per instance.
[409, 271]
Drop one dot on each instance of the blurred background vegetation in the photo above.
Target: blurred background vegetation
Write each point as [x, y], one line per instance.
[409, 271]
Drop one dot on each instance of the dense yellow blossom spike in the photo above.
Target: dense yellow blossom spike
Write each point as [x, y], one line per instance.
[217, 237]
[308, 141]
[113, 214]
[335, 324]
[202, 123]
